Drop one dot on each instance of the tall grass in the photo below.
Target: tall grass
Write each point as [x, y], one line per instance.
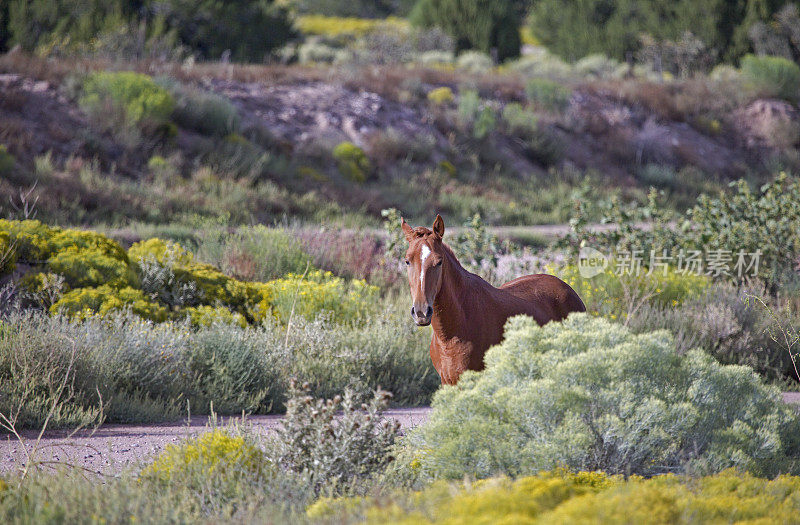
[130, 370]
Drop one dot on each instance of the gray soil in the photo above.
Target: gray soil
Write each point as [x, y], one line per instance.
[112, 448]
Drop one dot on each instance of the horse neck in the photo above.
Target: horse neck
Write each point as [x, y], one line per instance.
[449, 314]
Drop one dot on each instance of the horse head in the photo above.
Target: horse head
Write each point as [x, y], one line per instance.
[424, 260]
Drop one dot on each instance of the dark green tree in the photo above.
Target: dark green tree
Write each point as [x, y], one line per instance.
[485, 25]
[33, 23]
[249, 29]
[576, 28]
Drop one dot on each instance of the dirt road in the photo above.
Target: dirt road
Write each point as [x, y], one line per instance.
[112, 448]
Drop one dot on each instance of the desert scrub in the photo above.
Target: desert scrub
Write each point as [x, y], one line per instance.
[136, 96]
[321, 293]
[202, 111]
[587, 394]
[352, 162]
[254, 253]
[772, 76]
[441, 96]
[582, 497]
[547, 95]
[330, 452]
[722, 322]
[146, 371]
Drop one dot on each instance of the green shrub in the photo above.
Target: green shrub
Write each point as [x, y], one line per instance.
[587, 394]
[334, 451]
[7, 160]
[519, 120]
[475, 24]
[102, 300]
[546, 94]
[724, 323]
[135, 95]
[484, 124]
[469, 106]
[256, 253]
[767, 221]
[545, 146]
[205, 315]
[352, 161]
[474, 62]
[237, 369]
[773, 76]
[202, 111]
[441, 96]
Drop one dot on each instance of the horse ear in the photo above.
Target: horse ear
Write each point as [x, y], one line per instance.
[438, 226]
[407, 230]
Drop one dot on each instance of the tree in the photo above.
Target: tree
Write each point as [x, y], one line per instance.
[577, 28]
[485, 25]
[248, 29]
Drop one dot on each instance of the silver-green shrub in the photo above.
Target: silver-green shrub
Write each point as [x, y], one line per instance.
[586, 394]
[329, 450]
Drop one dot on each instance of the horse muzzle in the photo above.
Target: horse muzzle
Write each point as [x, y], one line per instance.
[419, 318]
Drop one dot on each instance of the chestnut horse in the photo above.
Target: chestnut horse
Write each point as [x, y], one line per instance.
[467, 313]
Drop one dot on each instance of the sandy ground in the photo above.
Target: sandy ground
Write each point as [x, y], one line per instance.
[112, 448]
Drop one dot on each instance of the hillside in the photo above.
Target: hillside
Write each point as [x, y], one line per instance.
[258, 143]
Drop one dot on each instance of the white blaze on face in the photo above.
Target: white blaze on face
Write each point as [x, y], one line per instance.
[423, 254]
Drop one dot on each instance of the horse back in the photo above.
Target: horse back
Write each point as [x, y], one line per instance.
[546, 294]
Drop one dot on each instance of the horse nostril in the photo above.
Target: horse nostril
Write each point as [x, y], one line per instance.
[429, 312]
[412, 311]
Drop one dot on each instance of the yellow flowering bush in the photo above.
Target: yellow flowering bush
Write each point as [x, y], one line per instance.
[8, 255]
[86, 240]
[335, 26]
[205, 315]
[352, 161]
[136, 95]
[160, 250]
[321, 292]
[583, 497]
[85, 302]
[159, 280]
[90, 267]
[441, 96]
[213, 454]
[605, 294]
[30, 239]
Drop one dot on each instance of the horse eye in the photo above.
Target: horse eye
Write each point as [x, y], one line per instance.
[439, 263]
[407, 263]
